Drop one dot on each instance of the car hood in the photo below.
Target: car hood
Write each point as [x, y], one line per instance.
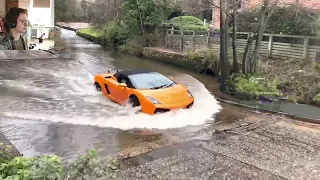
[168, 95]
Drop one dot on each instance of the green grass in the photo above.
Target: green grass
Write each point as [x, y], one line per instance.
[92, 31]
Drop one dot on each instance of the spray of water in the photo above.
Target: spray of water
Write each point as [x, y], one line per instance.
[71, 98]
[89, 107]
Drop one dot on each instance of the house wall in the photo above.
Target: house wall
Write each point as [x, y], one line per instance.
[2, 8]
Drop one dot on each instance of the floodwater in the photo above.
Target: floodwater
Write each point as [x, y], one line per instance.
[51, 106]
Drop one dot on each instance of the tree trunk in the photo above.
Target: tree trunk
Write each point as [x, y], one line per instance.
[223, 46]
[140, 16]
[252, 60]
[255, 56]
[246, 55]
[234, 37]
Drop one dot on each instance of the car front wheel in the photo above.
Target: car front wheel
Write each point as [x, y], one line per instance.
[134, 101]
[98, 87]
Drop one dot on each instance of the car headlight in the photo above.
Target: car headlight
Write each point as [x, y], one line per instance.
[190, 95]
[153, 100]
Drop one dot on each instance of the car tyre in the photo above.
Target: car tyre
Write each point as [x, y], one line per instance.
[134, 101]
[98, 87]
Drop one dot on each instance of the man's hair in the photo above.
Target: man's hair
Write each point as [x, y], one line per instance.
[12, 16]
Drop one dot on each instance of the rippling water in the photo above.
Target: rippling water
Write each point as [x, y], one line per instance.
[51, 106]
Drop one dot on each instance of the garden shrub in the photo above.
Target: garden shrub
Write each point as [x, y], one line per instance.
[45, 167]
[188, 23]
[255, 85]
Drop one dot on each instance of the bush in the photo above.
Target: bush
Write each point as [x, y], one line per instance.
[254, 86]
[40, 167]
[188, 23]
[316, 99]
[87, 167]
[133, 47]
[115, 34]
[205, 55]
[49, 167]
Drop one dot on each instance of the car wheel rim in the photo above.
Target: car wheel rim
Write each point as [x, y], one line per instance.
[98, 88]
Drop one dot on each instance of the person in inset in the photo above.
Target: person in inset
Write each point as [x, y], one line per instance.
[16, 23]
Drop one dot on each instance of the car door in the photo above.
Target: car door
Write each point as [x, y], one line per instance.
[123, 92]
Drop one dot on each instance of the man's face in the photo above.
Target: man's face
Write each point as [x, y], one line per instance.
[22, 23]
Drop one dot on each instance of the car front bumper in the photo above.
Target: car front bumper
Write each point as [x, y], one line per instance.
[160, 108]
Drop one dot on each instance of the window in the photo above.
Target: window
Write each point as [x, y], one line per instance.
[149, 80]
[41, 3]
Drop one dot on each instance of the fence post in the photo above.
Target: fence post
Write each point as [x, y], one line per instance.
[208, 38]
[171, 35]
[305, 48]
[181, 40]
[166, 40]
[193, 45]
[269, 53]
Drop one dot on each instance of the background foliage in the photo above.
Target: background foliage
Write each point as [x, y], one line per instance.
[291, 19]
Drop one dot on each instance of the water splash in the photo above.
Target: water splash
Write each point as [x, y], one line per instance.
[92, 108]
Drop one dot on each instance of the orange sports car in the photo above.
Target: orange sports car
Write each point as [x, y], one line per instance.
[152, 91]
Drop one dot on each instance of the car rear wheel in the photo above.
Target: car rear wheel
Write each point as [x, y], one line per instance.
[134, 101]
[98, 87]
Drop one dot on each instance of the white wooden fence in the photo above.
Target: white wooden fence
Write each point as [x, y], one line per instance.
[299, 48]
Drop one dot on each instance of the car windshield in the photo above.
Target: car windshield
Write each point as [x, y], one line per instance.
[150, 80]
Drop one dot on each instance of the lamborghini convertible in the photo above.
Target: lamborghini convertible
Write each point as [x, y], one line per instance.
[151, 91]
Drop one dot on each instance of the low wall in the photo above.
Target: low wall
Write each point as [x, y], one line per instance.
[7, 150]
[97, 40]
[179, 60]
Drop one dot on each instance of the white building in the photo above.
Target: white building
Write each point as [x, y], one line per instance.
[41, 16]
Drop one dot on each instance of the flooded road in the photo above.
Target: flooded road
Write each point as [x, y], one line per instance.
[51, 106]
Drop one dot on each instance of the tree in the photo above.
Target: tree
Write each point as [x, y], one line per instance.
[289, 19]
[143, 17]
[68, 11]
[250, 60]
[101, 11]
[224, 34]
[235, 6]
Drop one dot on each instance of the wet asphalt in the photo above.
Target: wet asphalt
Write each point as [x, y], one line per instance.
[257, 147]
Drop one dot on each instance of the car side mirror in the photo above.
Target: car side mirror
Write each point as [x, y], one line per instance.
[122, 85]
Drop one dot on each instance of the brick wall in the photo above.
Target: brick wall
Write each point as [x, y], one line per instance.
[1, 25]
[18, 3]
[12, 3]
